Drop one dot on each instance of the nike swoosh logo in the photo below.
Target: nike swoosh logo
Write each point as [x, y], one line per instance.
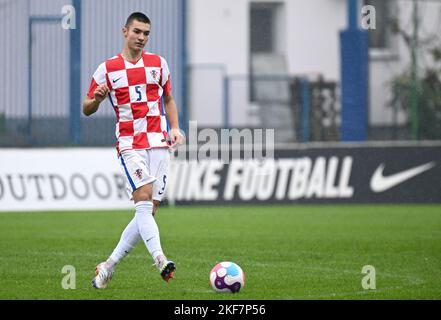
[380, 183]
[116, 80]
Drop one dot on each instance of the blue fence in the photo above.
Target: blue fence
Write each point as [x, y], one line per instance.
[49, 68]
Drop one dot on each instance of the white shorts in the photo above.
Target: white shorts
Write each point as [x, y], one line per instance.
[141, 167]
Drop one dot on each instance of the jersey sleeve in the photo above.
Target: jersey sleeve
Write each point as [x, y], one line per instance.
[165, 82]
[98, 79]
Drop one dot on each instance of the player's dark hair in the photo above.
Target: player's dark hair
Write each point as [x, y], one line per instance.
[138, 16]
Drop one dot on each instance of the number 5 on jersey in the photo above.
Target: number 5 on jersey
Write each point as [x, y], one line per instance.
[164, 180]
[137, 93]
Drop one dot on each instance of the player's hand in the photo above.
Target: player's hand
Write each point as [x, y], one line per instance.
[176, 137]
[101, 93]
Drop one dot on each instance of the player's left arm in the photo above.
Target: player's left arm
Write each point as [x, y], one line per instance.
[173, 119]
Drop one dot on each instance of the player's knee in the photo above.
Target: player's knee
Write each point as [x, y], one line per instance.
[143, 193]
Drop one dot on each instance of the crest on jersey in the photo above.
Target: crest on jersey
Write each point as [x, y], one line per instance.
[138, 173]
[155, 75]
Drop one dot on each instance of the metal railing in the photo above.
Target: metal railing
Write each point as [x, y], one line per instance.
[48, 69]
[300, 110]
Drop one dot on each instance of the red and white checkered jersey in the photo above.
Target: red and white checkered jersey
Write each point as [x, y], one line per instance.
[136, 89]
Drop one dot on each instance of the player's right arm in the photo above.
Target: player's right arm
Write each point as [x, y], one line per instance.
[98, 91]
[91, 105]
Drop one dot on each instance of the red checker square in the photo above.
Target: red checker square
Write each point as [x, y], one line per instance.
[109, 84]
[141, 141]
[139, 109]
[136, 76]
[151, 60]
[167, 88]
[126, 128]
[122, 95]
[152, 92]
[154, 124]
[92, 88]
[116, 113]
[113, 65]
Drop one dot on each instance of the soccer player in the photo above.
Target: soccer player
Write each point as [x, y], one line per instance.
[135, 81]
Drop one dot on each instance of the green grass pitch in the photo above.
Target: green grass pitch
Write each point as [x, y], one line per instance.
[286, 252]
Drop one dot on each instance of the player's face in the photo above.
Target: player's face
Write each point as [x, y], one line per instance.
[137, 35]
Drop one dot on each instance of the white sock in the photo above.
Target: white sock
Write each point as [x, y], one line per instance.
[148, 229]
[129, 238]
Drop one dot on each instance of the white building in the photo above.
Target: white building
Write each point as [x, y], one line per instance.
[224, 39]
[303, 36]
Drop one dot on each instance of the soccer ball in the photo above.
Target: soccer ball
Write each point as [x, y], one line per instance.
[227, 277]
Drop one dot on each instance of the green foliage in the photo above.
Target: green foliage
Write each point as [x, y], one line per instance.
[429, 97]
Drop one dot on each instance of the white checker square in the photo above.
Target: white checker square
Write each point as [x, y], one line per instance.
[113, 98]
[118, 79]
[153, 75]
[155, 138]
[163, 123]
[140, 125]
[125, 142]
[125, 112]
[138, 93]
[130, 65]
[153, 109]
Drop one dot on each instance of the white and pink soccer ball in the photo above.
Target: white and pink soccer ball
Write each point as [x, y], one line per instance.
[227, 277]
